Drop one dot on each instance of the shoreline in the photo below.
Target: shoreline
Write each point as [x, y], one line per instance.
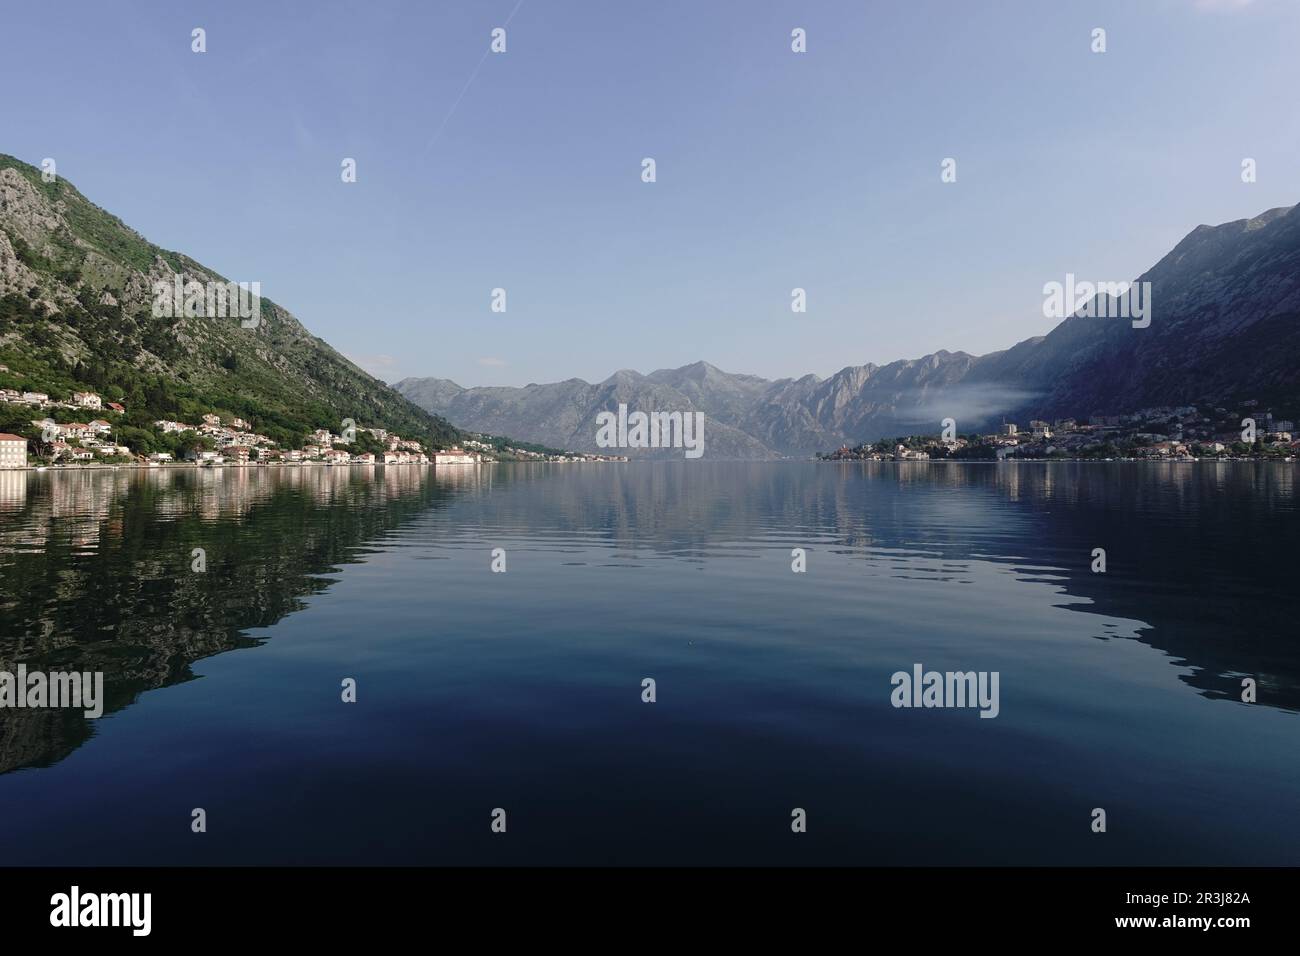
[193, 466]
[196, 466]
[1049, 461]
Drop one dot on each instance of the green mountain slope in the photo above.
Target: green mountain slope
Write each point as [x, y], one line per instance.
[76, 313]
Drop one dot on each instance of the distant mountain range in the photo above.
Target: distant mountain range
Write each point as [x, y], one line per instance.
[1225, 326]
[76, 312]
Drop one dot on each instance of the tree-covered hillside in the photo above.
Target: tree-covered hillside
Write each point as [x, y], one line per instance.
[76, 313]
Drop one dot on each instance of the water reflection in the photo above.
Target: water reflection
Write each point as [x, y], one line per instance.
[95, 567]
[96, 570]
[1199, 554]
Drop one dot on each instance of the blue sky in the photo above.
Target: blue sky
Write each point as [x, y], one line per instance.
[775, 170]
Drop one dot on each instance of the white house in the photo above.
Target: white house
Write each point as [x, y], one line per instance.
[167, 426]
[454, 456]
[13, 451]
[87, 400]
[76, 430]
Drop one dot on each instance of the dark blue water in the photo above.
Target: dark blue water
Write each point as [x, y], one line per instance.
[523, 690]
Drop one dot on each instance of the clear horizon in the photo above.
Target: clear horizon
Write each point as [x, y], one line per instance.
[775, 170]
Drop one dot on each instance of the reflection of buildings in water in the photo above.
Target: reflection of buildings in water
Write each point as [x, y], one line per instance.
[230, 492]
[13, 490]
[1009, 479]
[160, 478]
[16, 534]
[462, 476]
[76, 507]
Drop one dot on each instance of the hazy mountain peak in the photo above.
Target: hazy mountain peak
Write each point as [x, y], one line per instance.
[1226, 321]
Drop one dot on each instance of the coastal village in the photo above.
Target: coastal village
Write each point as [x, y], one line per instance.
[1185, 433]
[235, 443]
[214, 441]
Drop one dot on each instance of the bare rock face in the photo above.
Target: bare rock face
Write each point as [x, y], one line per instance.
[14, 275]
[23, 208]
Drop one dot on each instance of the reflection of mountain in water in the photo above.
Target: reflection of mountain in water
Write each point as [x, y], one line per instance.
[95, 567]
[95, 571]
[1199, 555]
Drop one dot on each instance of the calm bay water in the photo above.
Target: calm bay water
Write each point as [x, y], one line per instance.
[522, 690]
